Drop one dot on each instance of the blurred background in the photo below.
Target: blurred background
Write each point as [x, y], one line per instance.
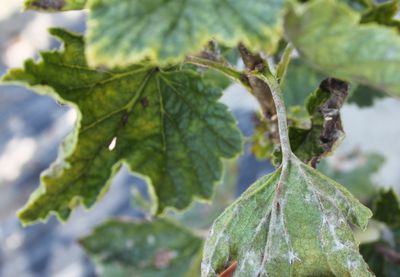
[32, 126]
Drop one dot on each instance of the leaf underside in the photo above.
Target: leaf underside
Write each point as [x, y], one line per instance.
[163, 124]
[147, 249]
[167, 30]
[329, 37]
[298, 229]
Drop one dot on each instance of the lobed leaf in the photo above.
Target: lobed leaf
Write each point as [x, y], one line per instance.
[328, 35]
[122, 32]
[165, 125]
[291, 223]
[148, 249]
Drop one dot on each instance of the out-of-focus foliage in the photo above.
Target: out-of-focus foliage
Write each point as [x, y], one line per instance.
[328, 36]
[176, 28]
[357, 177]
[147, 249]
[383, 256]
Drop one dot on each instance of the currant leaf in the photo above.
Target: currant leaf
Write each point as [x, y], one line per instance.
[291, 223]
[330, 38]
[158, 248]
[165, 125]
[122, 32]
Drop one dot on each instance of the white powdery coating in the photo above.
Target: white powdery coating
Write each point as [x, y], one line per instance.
[324, 197]
[292, 256]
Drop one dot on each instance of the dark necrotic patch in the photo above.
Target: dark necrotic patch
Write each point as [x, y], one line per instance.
[49, 4]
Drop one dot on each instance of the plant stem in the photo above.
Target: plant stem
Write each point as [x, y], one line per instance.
[281, 116]
[223, 68]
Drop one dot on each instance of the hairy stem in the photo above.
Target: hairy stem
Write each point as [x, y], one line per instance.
[219, 66]
[281, 116]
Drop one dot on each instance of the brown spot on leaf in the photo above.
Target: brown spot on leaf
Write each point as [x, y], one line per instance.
[163, 258]
[125, 119]
[145, 102]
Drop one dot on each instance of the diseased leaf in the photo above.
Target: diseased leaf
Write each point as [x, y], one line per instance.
[328, 36]
[326, 130]
[314, 131]
[163, 124]
[122, 32]
[147, 249]
[54, 5]
[291, 223]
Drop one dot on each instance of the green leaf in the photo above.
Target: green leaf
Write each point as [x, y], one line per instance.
[54, 5]
[387, 209]
[357, 180]
[383, 13]
[290, 224]
[147, 249]
[165, 125]
[200, 216]
[383, 256]
[328, 35]
[374, 255]
[359, 5]
[300, 81]
[364, 96]
[122, 32]
[326, 132]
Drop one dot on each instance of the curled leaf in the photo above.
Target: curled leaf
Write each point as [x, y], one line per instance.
[326, 130]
